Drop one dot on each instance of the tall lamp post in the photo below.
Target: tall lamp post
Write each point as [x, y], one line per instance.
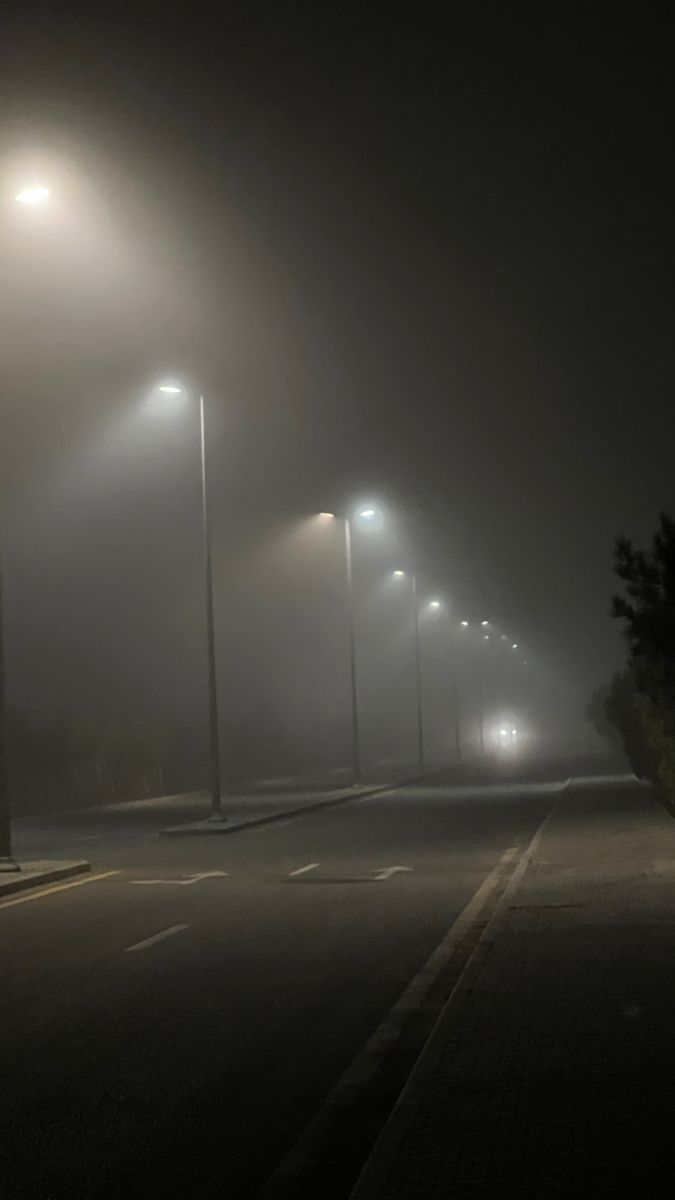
[32, 197]
[455, 695]
[353, 684]
[418, 666]
[365, 514]
[216, 813]
[7, 862]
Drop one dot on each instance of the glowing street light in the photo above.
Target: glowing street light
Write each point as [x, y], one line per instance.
[434, 604]
[32, 196]
[514, 646]
[400, 574]
[464, 624]
[366, 514]
[174, 389]
[484, 623]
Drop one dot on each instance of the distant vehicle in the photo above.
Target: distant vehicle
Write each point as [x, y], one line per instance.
[507, 736]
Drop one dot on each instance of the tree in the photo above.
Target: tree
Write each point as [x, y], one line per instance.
[648, 610]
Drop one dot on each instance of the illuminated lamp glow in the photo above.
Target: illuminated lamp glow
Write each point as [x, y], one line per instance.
[32, 195]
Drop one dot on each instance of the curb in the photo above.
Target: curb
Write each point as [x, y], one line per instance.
[372, 1179]
[21, 881]
[206, 828]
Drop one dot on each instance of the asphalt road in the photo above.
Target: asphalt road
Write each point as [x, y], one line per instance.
[171, 1024]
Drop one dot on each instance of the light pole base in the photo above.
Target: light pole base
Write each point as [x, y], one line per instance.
[8, 864]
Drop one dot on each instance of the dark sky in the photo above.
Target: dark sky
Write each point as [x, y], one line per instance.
[429, 258]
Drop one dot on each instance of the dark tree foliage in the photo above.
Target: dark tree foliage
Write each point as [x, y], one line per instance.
[647, 608]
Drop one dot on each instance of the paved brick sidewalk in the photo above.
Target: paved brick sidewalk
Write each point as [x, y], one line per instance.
[552, 1070]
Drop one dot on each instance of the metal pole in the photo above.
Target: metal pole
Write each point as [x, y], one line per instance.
[356, 750]
[214, 748]
[7, 862]
[418, 675]
[481, 689]
[455, 696]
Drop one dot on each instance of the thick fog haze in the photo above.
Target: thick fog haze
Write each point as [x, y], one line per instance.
[397, 275]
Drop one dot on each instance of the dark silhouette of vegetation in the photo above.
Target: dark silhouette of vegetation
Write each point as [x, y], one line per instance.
[640, 701]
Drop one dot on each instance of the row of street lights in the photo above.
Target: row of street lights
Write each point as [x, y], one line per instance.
[37, 195]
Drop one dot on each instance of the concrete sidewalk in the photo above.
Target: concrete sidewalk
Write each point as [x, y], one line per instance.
[551, 1072]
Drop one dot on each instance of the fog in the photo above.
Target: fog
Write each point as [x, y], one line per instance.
[365, 324]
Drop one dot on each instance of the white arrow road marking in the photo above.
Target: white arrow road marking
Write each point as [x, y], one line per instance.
[303, 870]
[387, 872]
[156, 937]
[183, 882]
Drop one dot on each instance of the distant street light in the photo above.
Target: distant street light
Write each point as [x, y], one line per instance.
[366, 514]
[173, 389]
[32, 195]
[436, 604]
[464, 624]
[418, 667]
[484, 623]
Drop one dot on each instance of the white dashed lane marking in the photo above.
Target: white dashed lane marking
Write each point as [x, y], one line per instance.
[156, 937]
[304, 870]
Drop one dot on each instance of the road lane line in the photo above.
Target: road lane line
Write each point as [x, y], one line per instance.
[59, 887]
[304, 870]
[377, 1165]
[156, 937]
[309, 1150]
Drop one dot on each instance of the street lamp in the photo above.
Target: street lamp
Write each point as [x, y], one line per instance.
[366, 513]
[33, 195]
[418, 667]
[173, 389]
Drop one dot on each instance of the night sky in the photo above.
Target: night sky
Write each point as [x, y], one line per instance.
[425, 259]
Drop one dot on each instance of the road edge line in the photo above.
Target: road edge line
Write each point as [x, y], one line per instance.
[59, 887]
[372, 1054]
[373, 1175]
[18, 882]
